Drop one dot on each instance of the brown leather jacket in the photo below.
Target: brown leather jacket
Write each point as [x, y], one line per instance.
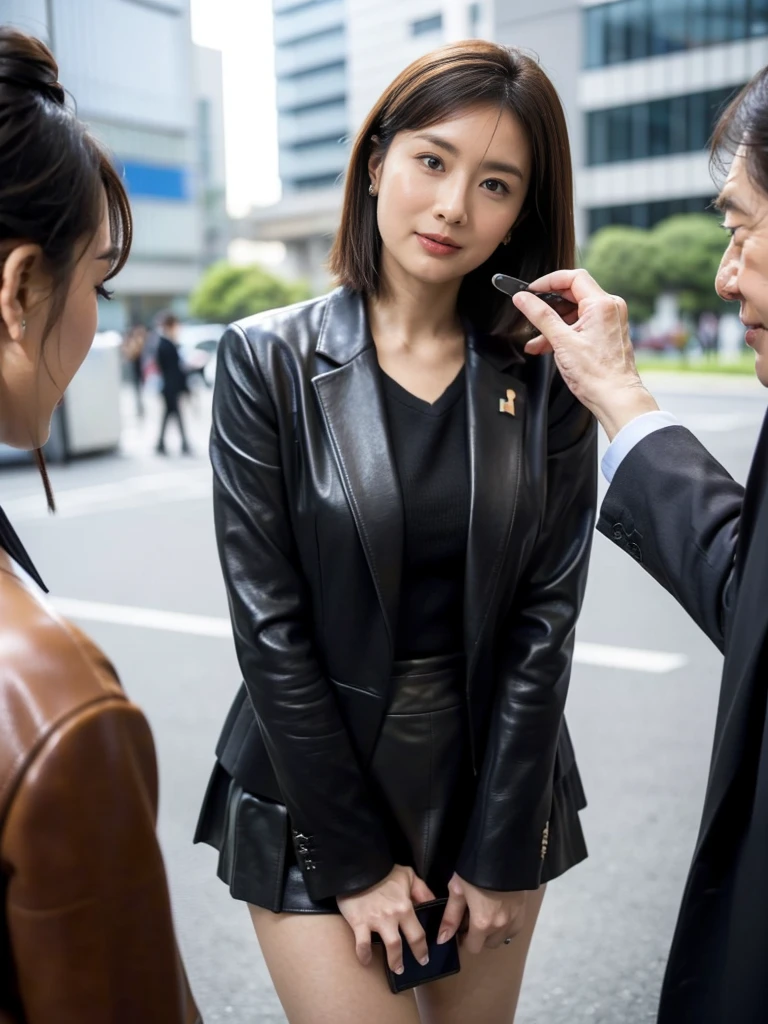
[86, 935]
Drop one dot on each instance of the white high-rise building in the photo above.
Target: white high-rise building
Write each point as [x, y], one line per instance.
[132, 68]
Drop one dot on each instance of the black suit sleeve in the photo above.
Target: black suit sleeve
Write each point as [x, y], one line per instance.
[505, 844]
[674, 508]
[344, 846]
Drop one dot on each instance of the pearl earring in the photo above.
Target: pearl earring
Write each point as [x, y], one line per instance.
[23, 328]
[371, 190]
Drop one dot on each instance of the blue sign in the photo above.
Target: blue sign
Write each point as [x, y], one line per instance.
[156, 181]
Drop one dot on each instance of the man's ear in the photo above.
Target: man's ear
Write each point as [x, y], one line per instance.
[375, 162]
[20, 267]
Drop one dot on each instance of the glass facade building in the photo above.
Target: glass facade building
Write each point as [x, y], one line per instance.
[311, 70]
[675, 64]
[637, 29]
[637, 131]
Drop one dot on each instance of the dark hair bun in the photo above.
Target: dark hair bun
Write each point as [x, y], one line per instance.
[27, 64]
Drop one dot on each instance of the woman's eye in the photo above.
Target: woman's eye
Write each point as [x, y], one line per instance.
[104, 293]
[432, 162]
[496, 186]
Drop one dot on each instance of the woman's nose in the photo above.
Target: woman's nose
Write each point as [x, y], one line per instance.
[451, 204]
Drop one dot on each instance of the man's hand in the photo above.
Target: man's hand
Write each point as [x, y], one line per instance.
[493, 916]
[594, 354]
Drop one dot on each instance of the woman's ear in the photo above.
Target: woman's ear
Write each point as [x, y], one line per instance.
[20, 266]
[375, 161]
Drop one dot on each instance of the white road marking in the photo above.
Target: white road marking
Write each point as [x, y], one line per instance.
[605, 656]
[144, 618]
[720, 422]
[210, 626]
[132, 492]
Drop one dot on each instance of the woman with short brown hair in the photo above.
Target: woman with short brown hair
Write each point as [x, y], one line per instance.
[404, 508]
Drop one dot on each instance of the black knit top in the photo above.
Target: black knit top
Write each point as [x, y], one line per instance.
[430, 449]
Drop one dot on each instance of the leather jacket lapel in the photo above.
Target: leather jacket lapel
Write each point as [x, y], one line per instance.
[352, 402]
[495, 452]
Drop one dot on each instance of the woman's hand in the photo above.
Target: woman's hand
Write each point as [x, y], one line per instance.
[387, 908]
[493, 916]
[594, 354]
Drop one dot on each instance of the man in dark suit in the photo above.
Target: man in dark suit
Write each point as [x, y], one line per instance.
[672, 507]
[174, 380]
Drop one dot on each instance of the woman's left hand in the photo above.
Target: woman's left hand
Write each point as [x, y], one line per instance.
[493, 916]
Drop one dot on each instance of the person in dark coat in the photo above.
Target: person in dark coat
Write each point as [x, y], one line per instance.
[174, 380]
[674, 508]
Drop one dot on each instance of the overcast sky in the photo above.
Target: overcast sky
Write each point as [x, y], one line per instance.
[242, 30]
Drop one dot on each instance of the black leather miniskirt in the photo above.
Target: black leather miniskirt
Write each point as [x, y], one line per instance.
[421, 772]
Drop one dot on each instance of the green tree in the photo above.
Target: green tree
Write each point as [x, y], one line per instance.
[227, 292]
[687, 252]
[621, 260]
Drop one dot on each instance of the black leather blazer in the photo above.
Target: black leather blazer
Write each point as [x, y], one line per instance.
[309, 526]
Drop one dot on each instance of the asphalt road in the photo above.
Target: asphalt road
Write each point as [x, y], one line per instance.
[135, 533]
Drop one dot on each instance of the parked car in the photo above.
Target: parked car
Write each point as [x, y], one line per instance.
[198, 344]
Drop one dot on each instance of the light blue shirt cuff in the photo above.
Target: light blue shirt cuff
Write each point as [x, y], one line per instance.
[630, 435]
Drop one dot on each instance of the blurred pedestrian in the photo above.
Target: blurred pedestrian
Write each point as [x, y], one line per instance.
[174, 380]
[86, 934]
[708, 331]
[404, 510]
[133, 353]
[674, 508]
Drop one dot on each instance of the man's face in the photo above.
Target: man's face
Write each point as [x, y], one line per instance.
[743, 273]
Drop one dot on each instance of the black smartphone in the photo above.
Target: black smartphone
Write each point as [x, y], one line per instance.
[443, 959]
[511, 285]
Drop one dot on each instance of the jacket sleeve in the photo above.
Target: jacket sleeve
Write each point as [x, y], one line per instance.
[674, 508]
[341, 845]
[88, 911]
[505, 844]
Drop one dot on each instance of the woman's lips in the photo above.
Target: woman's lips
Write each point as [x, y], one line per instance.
[436, 248]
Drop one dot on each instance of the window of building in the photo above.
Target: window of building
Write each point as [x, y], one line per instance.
[758, 18]
[676, 124]
[646, 215]
[422, 26]
[636, 29]
[320, 140]
[317, 181]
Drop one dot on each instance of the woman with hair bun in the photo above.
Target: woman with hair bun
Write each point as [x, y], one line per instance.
[404, 509]
[86, 934]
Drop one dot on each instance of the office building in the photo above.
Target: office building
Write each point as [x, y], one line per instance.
[313, 129]
[131, 66]
[333, 58]
[655, 75]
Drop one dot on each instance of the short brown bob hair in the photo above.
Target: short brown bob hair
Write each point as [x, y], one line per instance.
[438, 86]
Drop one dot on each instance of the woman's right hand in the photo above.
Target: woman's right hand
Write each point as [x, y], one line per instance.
[387, 908]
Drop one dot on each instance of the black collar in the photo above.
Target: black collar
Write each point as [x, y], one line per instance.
[9, 540]
[344, 333]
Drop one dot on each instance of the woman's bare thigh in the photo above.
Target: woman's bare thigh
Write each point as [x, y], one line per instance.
[486, 989]
[319, 980]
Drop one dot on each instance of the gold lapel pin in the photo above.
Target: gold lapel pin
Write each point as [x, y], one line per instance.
[508, 405]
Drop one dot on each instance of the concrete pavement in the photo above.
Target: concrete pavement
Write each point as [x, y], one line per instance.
[136, 532]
